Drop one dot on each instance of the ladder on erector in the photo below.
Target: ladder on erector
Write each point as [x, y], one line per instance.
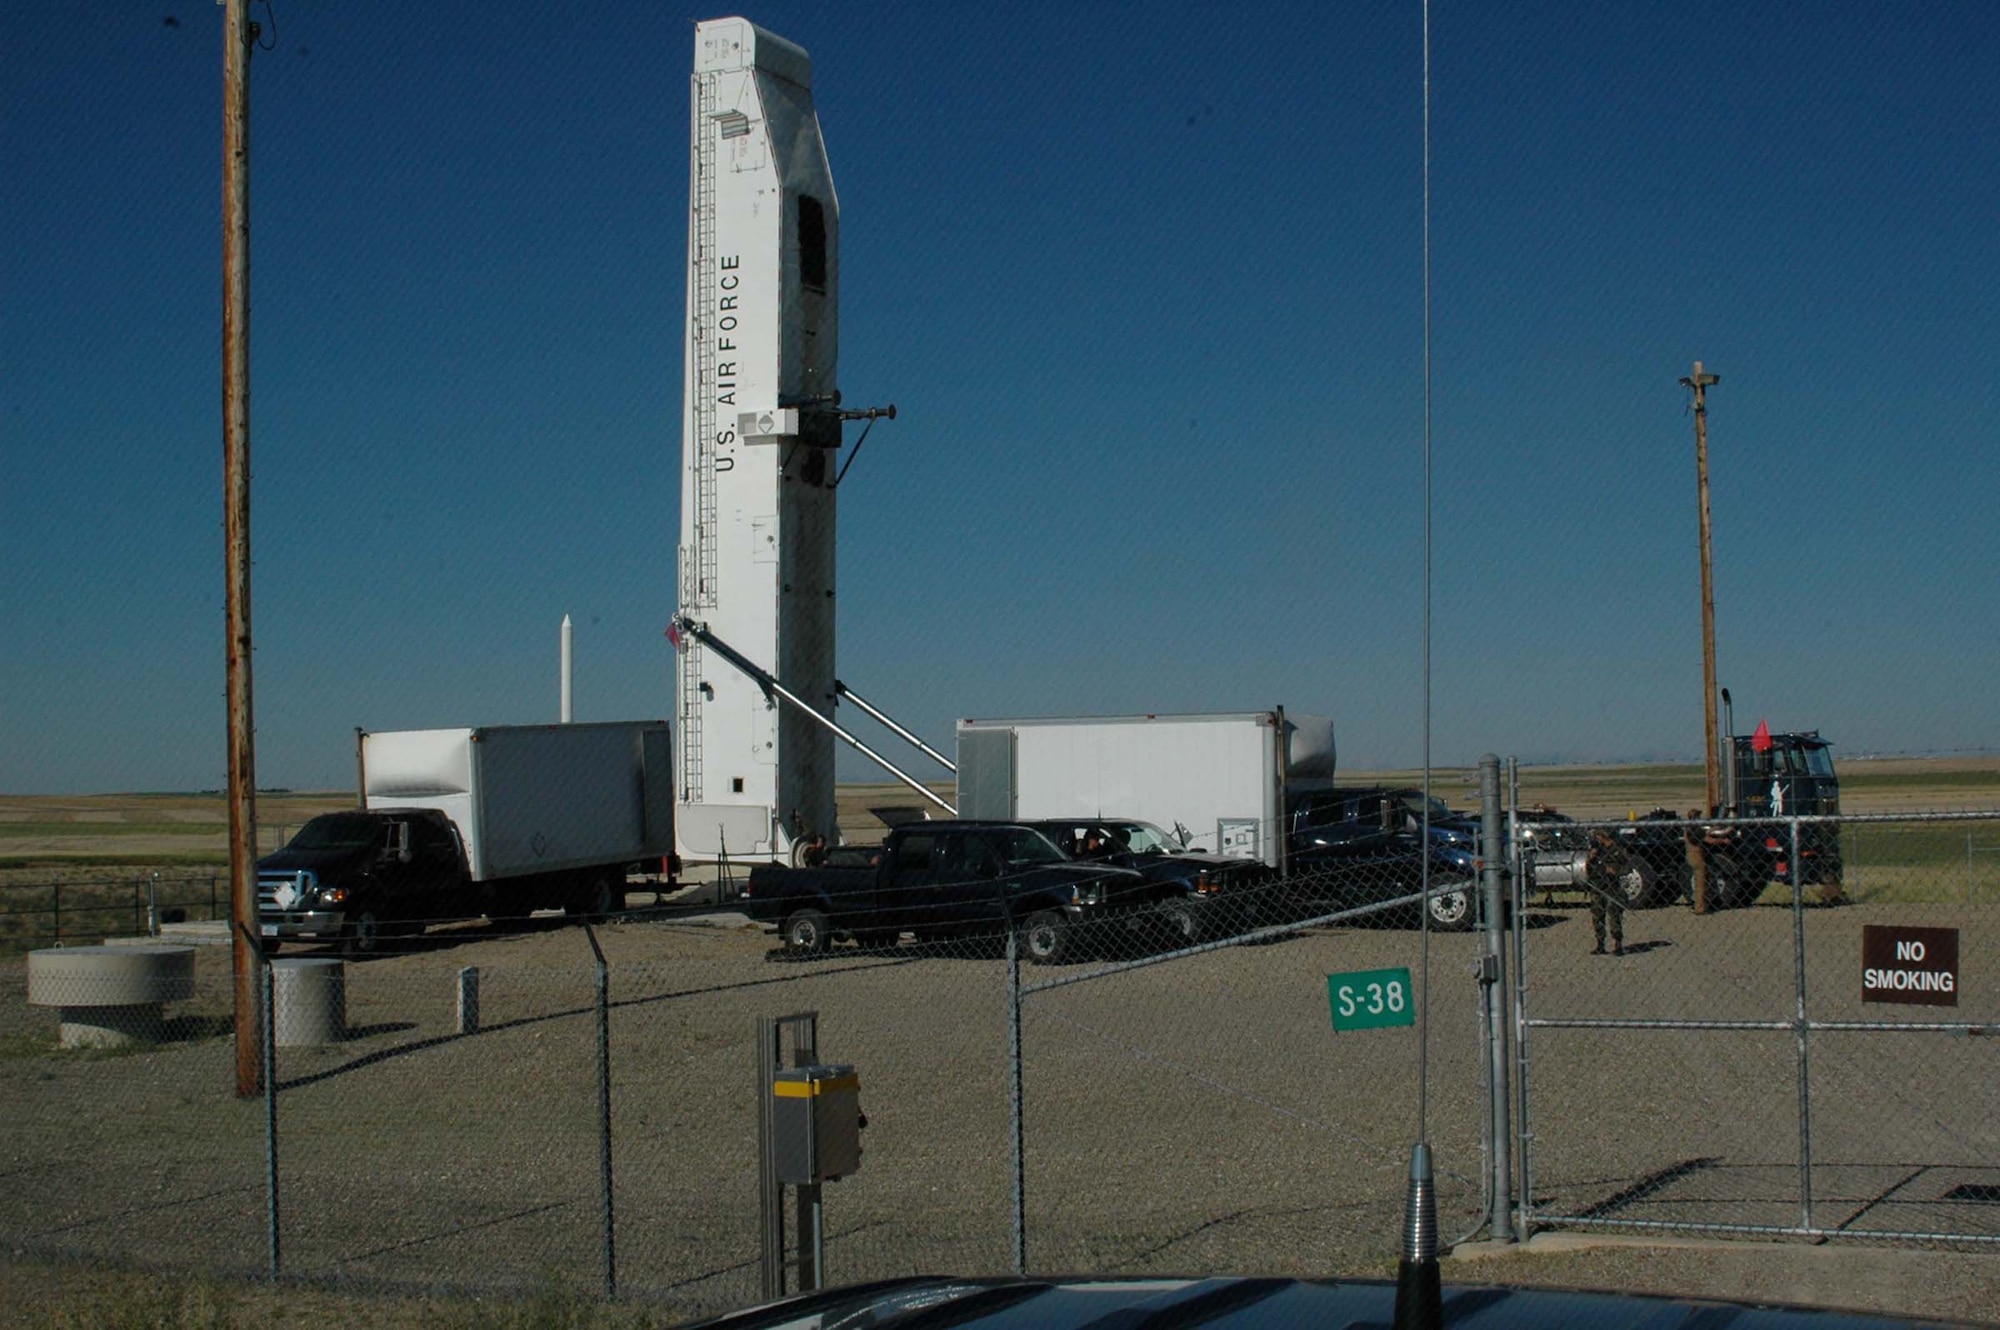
[698, 557]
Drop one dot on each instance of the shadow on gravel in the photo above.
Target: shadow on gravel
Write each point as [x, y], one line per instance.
[1641, 948]
[454, 1231]
[187, 1029]
[438, 1041]
[380, 1027]
[1650, 1185]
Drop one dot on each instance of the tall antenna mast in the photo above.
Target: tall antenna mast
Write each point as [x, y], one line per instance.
[1419, 1292]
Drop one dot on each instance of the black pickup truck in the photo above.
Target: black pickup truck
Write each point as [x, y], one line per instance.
[945, 879]
[1199, 896]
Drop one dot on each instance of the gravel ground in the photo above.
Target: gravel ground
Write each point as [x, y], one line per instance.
[1961, 1286]
[1190, 1116]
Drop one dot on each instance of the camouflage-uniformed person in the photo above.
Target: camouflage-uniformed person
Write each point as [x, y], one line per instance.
[1603, 868]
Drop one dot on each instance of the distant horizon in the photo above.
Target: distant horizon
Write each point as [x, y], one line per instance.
[1692, 763]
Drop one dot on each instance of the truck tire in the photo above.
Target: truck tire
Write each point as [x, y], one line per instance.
[364, 934]
[1453, 909]
[806, 933]
[598, 898]
[1045, 937]
[1636, 884]
[1180, 925]
[1740, 893]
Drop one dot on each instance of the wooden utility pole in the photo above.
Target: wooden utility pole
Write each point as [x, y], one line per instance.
[236, 44]
[1701, 383]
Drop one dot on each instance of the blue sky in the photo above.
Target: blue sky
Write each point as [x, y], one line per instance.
[1143, 281]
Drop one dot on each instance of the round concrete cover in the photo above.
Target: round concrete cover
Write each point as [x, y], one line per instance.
[109, 976]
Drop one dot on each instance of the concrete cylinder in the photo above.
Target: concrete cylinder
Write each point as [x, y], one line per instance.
[110, 996]
[309, 1001]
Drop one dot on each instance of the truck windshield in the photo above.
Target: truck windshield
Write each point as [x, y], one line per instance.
[336, 831]
[1144, 838]
[1414, 801]
[1819, 762]
[1020, 845]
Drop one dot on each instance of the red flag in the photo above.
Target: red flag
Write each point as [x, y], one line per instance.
[674, 633]
[1760, 742]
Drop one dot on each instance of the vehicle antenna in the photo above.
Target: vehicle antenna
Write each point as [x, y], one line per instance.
[1419, 1296]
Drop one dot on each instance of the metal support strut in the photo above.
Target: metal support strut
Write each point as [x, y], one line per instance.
[858, 700]
[770, 684]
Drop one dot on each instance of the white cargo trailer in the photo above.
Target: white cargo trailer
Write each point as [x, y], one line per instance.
[530, 799]
[1223, 778]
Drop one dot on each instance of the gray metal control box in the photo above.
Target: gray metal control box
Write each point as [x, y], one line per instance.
[815, 1124]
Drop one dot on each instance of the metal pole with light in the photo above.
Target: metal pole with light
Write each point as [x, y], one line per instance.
[1701, 382]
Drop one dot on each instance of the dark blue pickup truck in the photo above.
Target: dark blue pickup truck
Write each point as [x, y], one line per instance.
[946, 879]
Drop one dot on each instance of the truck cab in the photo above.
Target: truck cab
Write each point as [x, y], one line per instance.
[360, 876]
[1791, 776]
[1776, 777]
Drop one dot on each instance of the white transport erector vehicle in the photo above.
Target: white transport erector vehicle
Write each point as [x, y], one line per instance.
[760, 433]
[1225, 778]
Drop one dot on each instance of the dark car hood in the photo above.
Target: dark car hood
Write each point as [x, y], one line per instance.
[1051, 875]
[320, 863]
[1257, 1304]
[1455, 830]
[1179, 867]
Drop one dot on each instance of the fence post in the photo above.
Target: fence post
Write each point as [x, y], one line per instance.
[1493, 987]
[604, 1112]
[770, 1197]
[468, 1000]
[1014, 1098]
[1799, 1016]
[1519, 895]
[270, 993]
[267, 1018]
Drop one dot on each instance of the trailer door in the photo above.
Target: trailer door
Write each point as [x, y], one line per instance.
[986, 775]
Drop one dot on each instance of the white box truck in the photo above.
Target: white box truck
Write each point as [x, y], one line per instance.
[501, 820]
[1224, 779]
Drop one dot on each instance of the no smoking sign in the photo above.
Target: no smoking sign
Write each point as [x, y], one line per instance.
[1915, 965]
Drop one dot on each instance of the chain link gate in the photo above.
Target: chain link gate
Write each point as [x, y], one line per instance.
[1750, 1070]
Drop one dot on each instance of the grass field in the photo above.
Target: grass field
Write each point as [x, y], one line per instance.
[148, 830]
[85, 866]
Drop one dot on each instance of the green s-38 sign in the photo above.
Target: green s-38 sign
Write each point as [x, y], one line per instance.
[1370, 999]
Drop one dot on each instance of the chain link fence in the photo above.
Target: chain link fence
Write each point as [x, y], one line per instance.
[1163, 1093]
[1191, 1109]
[49, 907]
[1748, 1069]
[1181, 1109]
